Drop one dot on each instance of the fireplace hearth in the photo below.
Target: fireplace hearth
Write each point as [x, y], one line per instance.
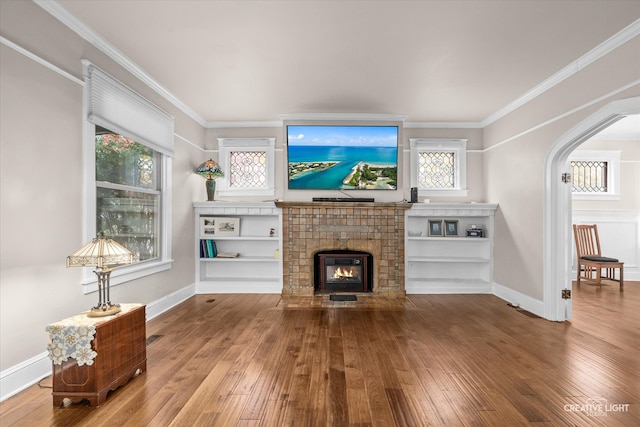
[343, 271]
[309, 228]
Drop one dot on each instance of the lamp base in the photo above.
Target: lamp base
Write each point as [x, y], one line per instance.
[211, 189]
[104, 310]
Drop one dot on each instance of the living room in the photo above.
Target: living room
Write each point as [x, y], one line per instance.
[516, 150]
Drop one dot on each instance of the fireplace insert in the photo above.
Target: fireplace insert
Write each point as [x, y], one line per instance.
[343, 271]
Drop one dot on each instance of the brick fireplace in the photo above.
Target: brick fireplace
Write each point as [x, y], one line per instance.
[312, 227]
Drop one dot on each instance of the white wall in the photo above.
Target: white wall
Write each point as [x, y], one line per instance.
[516, 148]
[41, 190]
[474, 163]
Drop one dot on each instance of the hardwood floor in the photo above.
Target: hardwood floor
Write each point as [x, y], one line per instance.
[449, 360]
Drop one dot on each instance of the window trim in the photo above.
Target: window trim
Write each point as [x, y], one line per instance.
[458, 147]
[138, 270]
[612, 157]
[226, 146]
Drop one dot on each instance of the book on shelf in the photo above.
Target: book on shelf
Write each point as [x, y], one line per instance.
[228, 255]
[208, 248]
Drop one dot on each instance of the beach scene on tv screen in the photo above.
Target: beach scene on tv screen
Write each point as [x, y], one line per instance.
[342, 157]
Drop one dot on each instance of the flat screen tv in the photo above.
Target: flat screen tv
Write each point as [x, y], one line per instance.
[324, 157]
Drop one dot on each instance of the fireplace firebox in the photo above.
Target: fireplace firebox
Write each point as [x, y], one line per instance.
[343, 271]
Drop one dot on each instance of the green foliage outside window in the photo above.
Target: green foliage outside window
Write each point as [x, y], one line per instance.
[121, 160]
[127, 194]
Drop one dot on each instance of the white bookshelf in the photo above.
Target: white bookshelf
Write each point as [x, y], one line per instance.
[449, 264]
[258, 267]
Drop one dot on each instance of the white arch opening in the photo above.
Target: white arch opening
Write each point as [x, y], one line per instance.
[557, 205]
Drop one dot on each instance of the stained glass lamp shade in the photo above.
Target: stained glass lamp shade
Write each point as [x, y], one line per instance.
[102, 253]
[211, 171]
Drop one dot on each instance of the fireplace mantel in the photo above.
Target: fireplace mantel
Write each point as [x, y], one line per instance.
[375, 228]
[366, 205]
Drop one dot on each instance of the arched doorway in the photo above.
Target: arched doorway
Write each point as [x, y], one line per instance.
[557, 205]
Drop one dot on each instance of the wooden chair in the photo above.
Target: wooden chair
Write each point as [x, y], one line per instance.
[591, 263]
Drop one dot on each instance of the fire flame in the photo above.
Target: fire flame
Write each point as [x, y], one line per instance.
[340, 273]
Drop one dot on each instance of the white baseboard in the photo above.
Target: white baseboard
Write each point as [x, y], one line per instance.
[449, 286]
[23, 375]
[518, 299]
[29, 372]
[238, 287]
[167, 302]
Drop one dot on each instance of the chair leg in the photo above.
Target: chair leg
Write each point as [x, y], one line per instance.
[579, 269]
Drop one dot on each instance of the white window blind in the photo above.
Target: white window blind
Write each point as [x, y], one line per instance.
[116, 107]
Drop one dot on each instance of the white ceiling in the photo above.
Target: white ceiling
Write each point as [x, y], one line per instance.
[626, 129]
[434, 61]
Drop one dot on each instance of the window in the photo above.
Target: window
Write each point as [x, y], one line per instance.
[438, 166]
[589, 176]
[595, 174]
[127, 164]
[248, 166]
[128, 193]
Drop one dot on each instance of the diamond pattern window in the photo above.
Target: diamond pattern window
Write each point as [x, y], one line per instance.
[439, 166]
[436, 169]
[247, 169]
[595, 174]
[248, 165]
[589, 176]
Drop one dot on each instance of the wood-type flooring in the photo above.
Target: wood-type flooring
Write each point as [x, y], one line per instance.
[427, 360]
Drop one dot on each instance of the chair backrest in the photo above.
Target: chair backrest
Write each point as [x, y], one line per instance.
[587, 240]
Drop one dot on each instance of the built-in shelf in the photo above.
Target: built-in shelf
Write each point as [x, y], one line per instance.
[432, 264]
[258, 266]
[453, 263]
[242, 259]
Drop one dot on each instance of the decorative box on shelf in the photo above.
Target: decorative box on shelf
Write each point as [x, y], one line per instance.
[473, 231]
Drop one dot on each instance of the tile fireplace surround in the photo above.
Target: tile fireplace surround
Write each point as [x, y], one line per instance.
[377, 228]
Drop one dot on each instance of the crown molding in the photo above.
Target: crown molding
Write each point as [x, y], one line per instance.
[617, 40]
[344, 117]
[88, 34]
[587, 59]
[443, 125]
[243, 124]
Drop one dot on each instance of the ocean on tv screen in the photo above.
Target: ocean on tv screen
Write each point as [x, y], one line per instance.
[351, 169]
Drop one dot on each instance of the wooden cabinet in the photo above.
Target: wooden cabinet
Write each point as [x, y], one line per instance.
[258, 243]
[448, 263]
[120, 344]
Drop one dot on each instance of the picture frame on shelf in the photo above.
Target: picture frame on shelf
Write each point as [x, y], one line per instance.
[227, 226]
[435, 227]
[216, 226]
[451, 227]
[207, 226]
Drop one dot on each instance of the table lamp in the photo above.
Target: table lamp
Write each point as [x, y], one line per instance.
[211, 171]
[102, 253]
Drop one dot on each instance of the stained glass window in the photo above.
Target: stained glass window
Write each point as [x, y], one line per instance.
[248, 165]
[436, 169]
[247, 169]
[589, 176]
